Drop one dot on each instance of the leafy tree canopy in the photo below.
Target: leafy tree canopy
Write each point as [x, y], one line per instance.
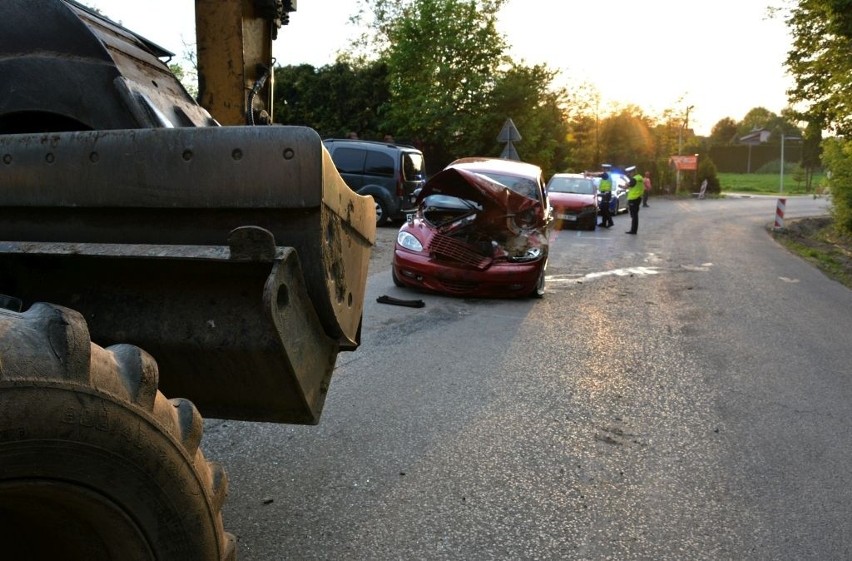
[627, 139]
[451, 84]
[526, 95]
[436, 73]
[443, 58]
[821, 64]
[335, 99]
[821, 61]
[724, 131]
[756, 118]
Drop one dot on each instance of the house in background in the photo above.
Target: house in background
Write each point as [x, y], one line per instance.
[756, 136]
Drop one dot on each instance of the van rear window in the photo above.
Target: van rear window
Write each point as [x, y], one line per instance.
[378, 163]
[412, 166]
[349, 160]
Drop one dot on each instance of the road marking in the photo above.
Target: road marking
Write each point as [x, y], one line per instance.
[582, 234]
[622, 272]
[703, 268]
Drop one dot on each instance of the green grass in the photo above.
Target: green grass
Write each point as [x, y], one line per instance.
[766, 183]
[830, 261]
[815, 240]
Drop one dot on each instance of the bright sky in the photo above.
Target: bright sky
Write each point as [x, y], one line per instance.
[723, 58]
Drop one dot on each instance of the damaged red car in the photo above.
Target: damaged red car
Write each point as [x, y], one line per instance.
[480, 230]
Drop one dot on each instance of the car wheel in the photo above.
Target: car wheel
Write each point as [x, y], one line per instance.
[381, 210]
[382, 202]
[538, 291]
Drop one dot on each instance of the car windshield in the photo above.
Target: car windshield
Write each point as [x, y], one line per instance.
[522, 185]
[579, 185]
[450, 202]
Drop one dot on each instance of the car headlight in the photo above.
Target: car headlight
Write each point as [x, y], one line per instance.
[408, 241]
[531, 254]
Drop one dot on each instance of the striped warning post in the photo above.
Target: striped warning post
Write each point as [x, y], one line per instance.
[779, 213]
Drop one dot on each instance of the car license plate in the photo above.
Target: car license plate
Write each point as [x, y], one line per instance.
[569, 217]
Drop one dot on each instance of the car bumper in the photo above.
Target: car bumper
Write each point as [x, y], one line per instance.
[502, 280]
[573, 216]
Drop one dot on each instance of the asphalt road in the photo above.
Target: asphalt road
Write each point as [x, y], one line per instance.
[683, 394]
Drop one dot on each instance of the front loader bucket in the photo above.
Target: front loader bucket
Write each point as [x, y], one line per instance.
[236, 256]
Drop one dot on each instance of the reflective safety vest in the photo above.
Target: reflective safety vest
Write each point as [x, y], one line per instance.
[605, 186]
[637, 190]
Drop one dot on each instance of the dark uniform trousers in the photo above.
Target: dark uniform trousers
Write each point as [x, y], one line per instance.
[633, 207]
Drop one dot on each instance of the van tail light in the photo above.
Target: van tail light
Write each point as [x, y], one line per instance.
[400, 181]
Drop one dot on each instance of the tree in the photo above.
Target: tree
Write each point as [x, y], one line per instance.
[582, 144]
[526, 95]
[188, 79]
[626, 139]
[294, 87]
[724, 132]
[334, 99]
[443, 58]
[756, 118]
[452, 85]
[837, 154]
[582, 111]
[821, 61]
[669, 133]
[811, 151]
[821, 65]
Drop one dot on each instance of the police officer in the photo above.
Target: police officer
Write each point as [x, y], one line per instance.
[634, 201]
[605, 188]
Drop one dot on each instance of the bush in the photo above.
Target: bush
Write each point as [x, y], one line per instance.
[774, 167]
[837, 158]
[707, 170]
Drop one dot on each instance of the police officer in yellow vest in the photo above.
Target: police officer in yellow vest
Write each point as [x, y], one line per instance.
[605, 188]
[634, 200]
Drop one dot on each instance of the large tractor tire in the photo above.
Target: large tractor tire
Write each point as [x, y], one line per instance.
[95, 463]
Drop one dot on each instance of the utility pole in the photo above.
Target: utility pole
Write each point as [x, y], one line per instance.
[781, 190]
[680, 145]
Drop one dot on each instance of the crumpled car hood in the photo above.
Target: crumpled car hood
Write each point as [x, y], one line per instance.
[494, 197]
[503, 225]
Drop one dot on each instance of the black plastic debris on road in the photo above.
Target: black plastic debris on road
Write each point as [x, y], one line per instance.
[385, 299]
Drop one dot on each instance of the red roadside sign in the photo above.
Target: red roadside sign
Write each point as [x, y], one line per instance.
[685, 163]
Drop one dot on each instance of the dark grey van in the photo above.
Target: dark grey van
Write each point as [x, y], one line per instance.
[388, 172]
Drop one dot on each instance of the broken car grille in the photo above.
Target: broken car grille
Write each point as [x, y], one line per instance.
[451, 248]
